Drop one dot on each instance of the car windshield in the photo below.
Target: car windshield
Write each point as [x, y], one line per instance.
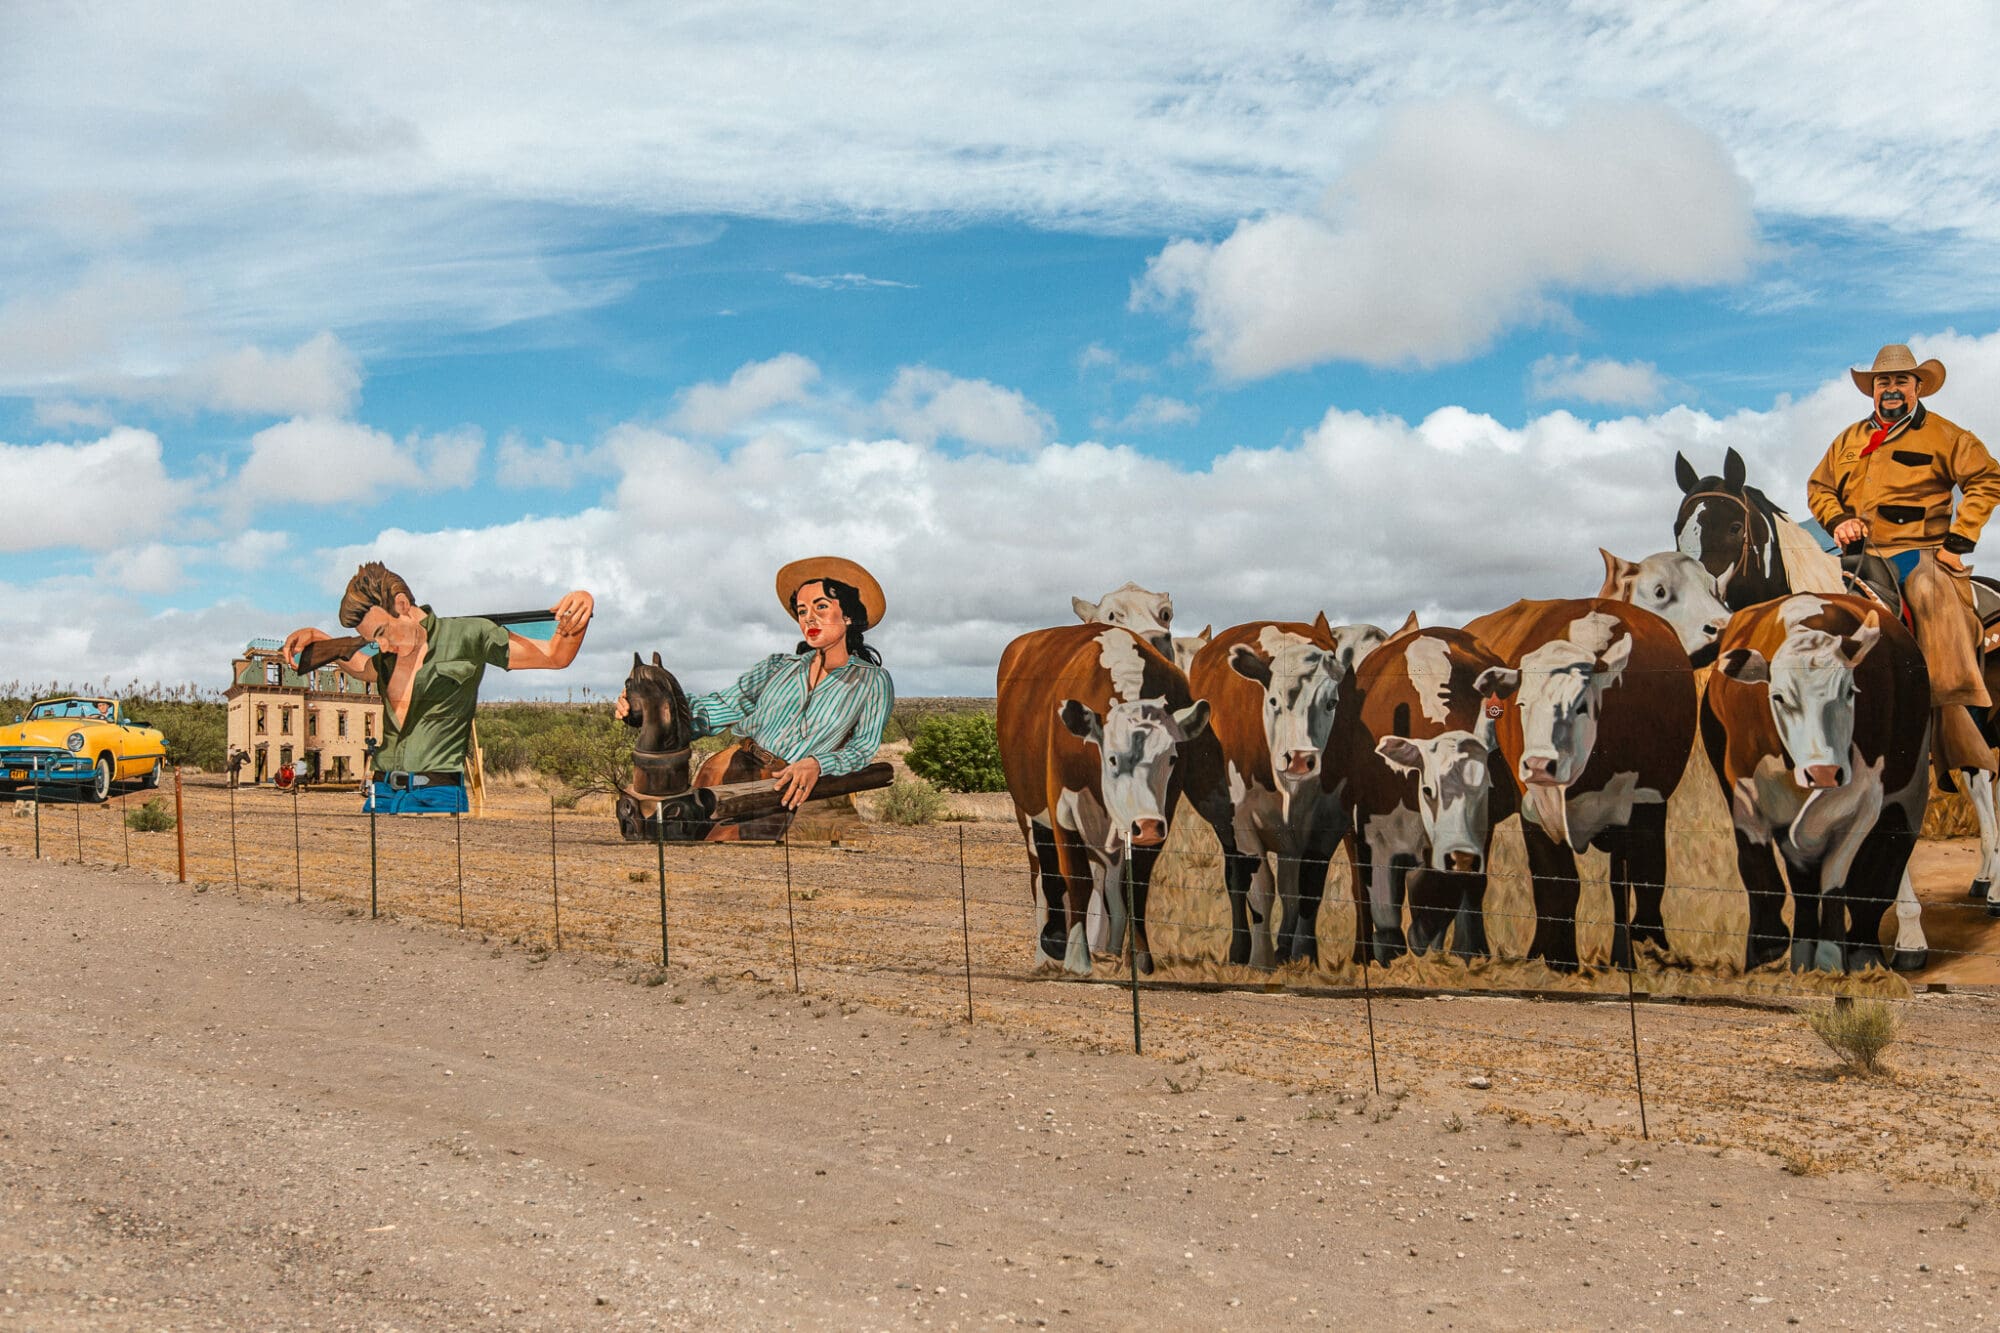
[82, 708]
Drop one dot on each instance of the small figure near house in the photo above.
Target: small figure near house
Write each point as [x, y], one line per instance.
[237, 759]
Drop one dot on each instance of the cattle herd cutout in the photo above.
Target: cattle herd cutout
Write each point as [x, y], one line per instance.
[1387, 759]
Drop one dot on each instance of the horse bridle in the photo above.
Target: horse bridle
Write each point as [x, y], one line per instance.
[1744, 563]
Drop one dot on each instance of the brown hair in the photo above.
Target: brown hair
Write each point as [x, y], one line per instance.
[374, 584]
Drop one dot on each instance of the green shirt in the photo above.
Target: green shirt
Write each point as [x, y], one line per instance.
[437, 730]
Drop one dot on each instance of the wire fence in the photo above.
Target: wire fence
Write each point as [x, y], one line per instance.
[940, 922]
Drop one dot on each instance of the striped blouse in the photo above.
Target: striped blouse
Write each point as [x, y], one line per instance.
[838, 722]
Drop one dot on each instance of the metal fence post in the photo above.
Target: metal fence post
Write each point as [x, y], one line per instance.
[965, 925]
[180, 826]
[1638, 1081]
[373, 896]
[125, 823]
[1131, 955]
[38, 817]
[791, 926]
[660, 855]
[298, 859]
[235, 872]
[555, 893]
[1368, 998]
[458, 830]
[79, 832]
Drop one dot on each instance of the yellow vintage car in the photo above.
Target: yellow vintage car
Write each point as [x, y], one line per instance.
[77, 740]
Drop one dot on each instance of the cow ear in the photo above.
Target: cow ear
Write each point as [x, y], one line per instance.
[1856, 645]
[1618, 577]
[1320, 625]
[1085, 611]
[1207, 632]
[1409, 623]
[1732, 469]
[1611, 662]
[1244, 661]
[1081, 722]
[1745, 665]
[1400, 753]
[1192, 720]
[1497, 682]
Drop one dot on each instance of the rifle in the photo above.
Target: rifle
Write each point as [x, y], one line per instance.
[325, 652]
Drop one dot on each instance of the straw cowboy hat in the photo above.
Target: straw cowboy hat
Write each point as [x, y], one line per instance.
[1896, 357]
[801, 572]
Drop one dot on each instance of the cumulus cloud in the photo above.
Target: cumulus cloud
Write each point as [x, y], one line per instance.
[549, 466]
[97, 495]
[324, 461]
[1461, 220]
[1606, 382]
[1151, 412]
[926, 405]
[716, 409]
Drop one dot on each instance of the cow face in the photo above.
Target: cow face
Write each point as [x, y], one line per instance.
[1301, 683]
[1811, 689]
[1676, 587]
[1452, 784]
[1137, 745]
[1561, 692]
[1150, 615]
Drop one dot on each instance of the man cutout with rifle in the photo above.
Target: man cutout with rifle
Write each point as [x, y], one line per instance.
[428, 668]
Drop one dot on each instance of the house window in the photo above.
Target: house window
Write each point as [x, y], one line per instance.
[340, 720]
[368, 726]
[312, 723]
[271, 671]
[260, 719]
[284, 721]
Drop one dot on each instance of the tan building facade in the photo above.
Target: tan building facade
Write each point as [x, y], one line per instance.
[278, 717]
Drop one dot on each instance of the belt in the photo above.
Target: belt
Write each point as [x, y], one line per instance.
[401, 781]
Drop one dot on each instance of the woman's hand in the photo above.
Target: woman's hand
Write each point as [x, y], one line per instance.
[795, 782]
[622, 707]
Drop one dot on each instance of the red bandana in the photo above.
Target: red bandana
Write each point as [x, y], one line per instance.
[1883, 434]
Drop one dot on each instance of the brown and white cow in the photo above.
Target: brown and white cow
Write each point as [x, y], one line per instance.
[1150, 615]
[1092, 721]
[1675, 587]
[1417, 745]
[1818, 721]
[1274, 689]
[1595, 741]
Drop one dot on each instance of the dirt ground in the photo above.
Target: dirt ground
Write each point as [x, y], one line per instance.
[223, 1110]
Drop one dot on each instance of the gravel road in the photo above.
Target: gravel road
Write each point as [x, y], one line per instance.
[233, 1112]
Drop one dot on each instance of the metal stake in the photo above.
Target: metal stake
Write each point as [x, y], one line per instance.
[372, 896]
[555, 894]
[1368, 997]
[125, 822]
[298, 859]
[38, 816]
[180, 827]
[965, 924]
[1131, 955]
[1632, 1008]
[790, 925]
[235, 872]
[79, 832]
[660, 852]
[458, 829]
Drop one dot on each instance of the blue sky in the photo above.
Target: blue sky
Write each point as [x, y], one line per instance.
[1344, 307]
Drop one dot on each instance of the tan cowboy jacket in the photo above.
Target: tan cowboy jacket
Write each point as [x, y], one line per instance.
[1903, 489]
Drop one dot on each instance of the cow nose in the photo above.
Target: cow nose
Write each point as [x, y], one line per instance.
[1462, 863]
[1301, 763]
[1823, 775]
[1148, 832]
[1535, 768]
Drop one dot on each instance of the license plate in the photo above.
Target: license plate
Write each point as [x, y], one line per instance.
[18, 774]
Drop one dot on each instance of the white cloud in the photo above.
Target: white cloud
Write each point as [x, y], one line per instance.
[1460, 221]
[97, 495]
[1151, 412]
[1097, 358]
[62, 412]
[927, 405]
[842, 281]
[1606, 382]
[548, 466]
[716, 409]
[152, 568]
[323, 461]
[320, 377]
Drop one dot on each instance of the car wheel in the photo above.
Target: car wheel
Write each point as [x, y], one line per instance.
[100, 782]
[153, 774]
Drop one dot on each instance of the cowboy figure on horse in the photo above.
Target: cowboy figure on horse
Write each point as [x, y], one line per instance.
[1885, 485]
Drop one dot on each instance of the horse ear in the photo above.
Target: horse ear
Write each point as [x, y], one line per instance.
[1685, 474]
[1732, 469]
[636, 663]
[658, 663]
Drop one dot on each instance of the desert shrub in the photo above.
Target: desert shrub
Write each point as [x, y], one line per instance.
[911, 801]
[958, 753]
[1858, 1032]
[152, 817]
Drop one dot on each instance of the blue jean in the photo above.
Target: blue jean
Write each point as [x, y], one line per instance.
[386, 800]
[1903, 562]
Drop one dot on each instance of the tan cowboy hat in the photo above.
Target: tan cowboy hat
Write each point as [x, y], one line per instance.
[801, 572]
[1896, 357]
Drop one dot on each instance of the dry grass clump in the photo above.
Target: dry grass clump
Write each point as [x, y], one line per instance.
[911, 800]
[1949, 815]
[152, 817]
[1857, 1031]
